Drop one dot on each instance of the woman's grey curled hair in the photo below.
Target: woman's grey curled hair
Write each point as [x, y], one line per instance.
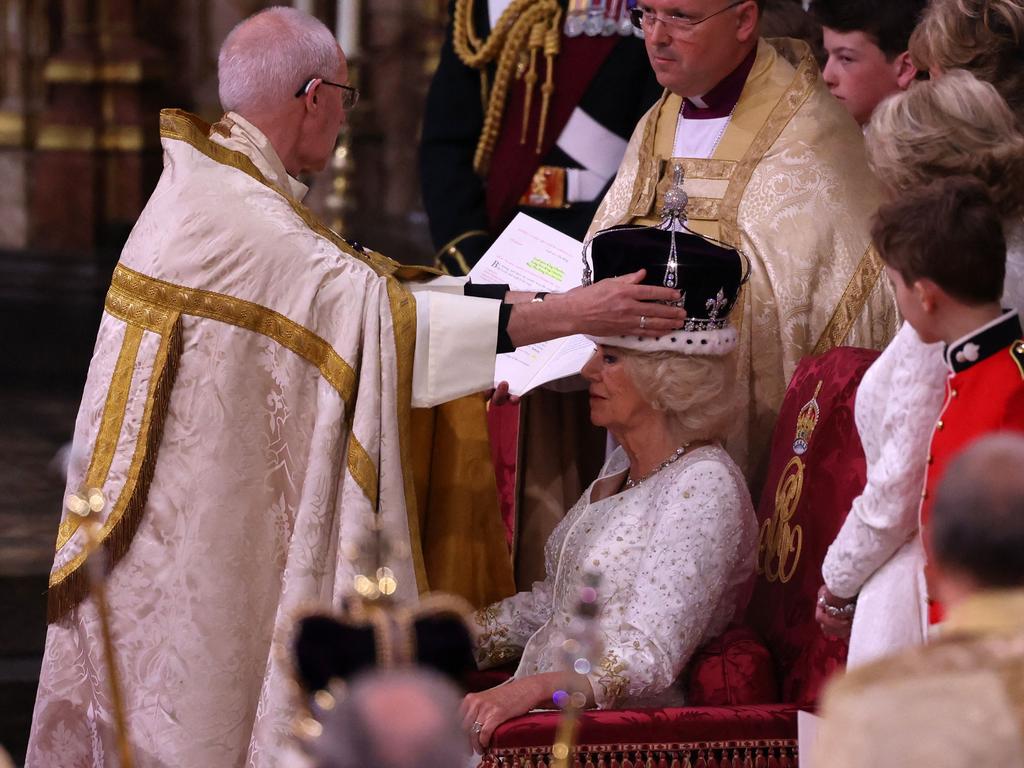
[694, 390]
[267, 58]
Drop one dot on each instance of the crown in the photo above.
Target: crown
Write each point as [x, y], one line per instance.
[806, 421]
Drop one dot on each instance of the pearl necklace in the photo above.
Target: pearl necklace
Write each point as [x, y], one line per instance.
[676, 455]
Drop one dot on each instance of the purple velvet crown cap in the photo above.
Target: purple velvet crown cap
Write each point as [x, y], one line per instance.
[708, 275]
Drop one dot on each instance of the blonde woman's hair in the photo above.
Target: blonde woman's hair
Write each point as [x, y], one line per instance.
[985, 37]
[955, 125]
[696, 392]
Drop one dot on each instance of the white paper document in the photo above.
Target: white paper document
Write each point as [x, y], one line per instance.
[531, 256]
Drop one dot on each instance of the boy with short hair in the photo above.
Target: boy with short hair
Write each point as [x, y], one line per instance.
[866, 42]
[944, 251]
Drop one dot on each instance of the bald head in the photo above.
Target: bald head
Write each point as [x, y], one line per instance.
[403, 719]
[269, 56]
[977, 525]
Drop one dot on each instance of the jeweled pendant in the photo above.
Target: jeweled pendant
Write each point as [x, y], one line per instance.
[594, 24]
[575, 17]
[672, 268]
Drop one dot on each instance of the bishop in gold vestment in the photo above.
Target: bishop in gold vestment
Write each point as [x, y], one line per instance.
[786, 181]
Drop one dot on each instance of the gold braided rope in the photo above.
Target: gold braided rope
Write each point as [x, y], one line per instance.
[470, 49]
[536, 43]
[552, 44]
[524, 25]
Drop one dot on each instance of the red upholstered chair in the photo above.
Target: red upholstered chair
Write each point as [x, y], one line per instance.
[746, 694]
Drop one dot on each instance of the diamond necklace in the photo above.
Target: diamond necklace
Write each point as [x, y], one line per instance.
[676, 455]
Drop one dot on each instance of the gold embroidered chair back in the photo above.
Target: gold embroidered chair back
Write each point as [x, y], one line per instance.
[817, 468]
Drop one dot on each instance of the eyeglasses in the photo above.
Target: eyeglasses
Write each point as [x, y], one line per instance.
[644, 18]
[349, 95]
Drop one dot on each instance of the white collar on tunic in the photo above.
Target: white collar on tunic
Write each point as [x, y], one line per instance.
[251, 142]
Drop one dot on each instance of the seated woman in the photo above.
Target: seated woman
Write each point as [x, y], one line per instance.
[668, 523]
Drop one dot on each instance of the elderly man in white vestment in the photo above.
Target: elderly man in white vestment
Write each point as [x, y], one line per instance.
[247, 412]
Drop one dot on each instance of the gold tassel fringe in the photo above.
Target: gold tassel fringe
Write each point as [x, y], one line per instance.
[63, 597]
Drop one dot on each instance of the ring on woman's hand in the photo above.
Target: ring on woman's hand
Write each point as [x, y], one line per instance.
[643, 322]
[477, 726]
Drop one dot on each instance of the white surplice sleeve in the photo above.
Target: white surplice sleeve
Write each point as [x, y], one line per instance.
[897, 405]
[456, 338]
[697, 563]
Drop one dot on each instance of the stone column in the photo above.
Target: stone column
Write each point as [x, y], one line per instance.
[14, 122]
[400, 49]
[97, 142]
[130, 100]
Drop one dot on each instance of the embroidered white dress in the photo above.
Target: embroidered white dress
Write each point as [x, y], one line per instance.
[676, 555]
[878, 553]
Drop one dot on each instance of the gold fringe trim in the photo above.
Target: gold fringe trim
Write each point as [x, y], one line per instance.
[69, 586]
[110, 425]
[759, 753]
[361, 466]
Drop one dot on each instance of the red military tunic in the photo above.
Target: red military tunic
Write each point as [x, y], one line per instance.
[984, 394]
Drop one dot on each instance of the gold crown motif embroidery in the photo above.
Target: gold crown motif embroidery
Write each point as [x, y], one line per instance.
[806, 421]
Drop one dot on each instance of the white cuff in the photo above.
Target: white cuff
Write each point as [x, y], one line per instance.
[456, 338]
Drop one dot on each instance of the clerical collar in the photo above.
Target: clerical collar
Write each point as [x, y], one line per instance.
[984, 342]
[722, 99]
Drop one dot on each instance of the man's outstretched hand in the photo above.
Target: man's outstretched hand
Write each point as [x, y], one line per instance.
[613, 307]
[617, 306]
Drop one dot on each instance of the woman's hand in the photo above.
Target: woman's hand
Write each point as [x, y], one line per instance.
[483, 712]
[833, 625]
